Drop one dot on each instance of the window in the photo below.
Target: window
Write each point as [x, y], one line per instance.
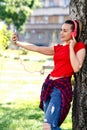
[53, 19]
[32, 20]
[43, 2]
[67, 2]
[46, 19]
[51, 3]
[40, 36]
[56, 2]
[27, 35]
[61, 19]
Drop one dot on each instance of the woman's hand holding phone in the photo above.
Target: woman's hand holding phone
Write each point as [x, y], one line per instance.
[14, 38]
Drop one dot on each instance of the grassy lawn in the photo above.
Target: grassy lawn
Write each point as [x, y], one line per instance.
[20, 86]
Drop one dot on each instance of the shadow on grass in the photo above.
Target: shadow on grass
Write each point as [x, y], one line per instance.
[20, 118]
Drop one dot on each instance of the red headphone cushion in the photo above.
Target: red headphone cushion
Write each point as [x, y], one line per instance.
[73, 33]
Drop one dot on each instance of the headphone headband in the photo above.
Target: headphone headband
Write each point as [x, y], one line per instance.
[74, 33]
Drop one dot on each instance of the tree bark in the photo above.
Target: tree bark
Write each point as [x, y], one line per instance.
[78, 10]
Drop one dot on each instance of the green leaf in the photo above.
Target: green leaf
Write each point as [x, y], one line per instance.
[17, 11]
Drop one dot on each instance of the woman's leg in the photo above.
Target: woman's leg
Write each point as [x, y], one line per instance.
[52, 111]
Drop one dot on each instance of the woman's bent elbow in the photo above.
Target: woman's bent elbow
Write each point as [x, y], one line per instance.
[77, 69]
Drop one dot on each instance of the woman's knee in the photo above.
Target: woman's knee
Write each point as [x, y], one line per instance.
[46, 126]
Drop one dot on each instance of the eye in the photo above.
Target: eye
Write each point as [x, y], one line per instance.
[60, 29]
[64, 30]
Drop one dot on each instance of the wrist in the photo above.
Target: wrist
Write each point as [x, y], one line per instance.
[16, 43]
[71, 46]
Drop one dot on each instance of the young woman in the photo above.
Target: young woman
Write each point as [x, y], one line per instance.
[56, 94]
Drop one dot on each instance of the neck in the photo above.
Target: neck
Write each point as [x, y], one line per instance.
[65, 43]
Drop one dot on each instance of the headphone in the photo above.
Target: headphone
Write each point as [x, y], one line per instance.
[74, 33]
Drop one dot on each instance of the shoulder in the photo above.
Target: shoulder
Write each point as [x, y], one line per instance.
[56, 46]
[79, 45]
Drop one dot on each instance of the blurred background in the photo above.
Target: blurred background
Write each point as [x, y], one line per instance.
[42, 25]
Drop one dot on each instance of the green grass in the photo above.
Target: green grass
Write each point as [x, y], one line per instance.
[19, 94]
[22, 116]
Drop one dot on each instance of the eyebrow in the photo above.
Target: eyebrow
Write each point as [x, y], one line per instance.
[64, 29]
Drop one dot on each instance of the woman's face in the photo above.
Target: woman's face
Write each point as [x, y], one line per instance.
[65, 34]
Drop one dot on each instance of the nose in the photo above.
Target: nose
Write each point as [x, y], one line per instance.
[61, 32]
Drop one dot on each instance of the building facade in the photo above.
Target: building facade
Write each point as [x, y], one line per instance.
[44, 25]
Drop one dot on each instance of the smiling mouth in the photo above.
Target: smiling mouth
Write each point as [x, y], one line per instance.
[62, 37]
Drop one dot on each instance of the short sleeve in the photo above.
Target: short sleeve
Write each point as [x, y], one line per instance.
[79, 45]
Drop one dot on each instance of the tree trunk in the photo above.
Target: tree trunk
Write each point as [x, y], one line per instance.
[78, 10]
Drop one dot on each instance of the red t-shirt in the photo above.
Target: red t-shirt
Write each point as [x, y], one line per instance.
[62, 64]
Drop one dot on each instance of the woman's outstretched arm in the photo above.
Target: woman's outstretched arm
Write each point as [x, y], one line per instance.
[32, 47]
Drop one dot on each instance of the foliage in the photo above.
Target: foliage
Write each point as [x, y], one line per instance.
[5, 36]
[17, 11]
[23, 51]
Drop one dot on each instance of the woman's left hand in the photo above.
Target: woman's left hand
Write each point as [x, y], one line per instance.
[73, 42]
